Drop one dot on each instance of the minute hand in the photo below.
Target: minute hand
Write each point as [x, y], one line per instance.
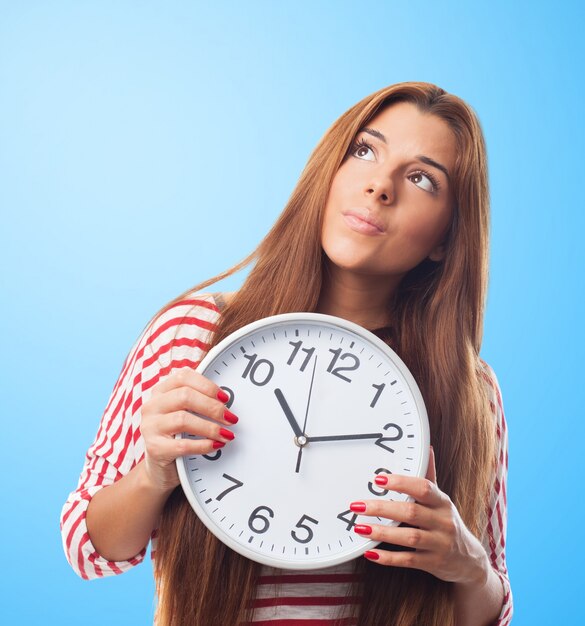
[345, 437]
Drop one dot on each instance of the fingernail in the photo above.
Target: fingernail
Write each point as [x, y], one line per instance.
[226, 434]
[358, 507]
[228, 416]
[362, 529]
[218, 444]
[381, 480]
[222, 396]
[373, 556]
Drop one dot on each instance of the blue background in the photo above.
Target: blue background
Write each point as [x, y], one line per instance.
[145, 146]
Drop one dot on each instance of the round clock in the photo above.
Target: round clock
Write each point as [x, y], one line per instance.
[324, 405]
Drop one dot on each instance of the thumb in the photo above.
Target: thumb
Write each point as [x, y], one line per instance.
[431, 469]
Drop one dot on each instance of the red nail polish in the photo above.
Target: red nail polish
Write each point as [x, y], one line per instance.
[222, 396]
[362, 529]
[218, 444]
[358, 507]
[228, 416]
[381, 480]
[227, 434]
[373, 556]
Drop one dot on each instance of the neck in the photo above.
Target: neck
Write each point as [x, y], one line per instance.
[359, 298]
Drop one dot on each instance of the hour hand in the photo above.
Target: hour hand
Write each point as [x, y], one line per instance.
[289, 416]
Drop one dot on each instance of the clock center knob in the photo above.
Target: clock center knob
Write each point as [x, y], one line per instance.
[300, 441]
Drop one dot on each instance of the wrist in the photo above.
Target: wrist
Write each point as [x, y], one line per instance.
[149, 485]
[477, 575]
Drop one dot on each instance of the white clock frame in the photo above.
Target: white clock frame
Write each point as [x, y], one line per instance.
[361, 544]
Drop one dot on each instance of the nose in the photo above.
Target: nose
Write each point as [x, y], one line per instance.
[380, 189]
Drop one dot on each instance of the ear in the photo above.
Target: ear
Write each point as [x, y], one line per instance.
[438, 253]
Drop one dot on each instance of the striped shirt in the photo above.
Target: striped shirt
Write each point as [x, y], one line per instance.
[179, 338]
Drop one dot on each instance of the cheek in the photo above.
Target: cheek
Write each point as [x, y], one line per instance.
[326, 224]
[424, 236]
[428, 232]
[332, 207]
[335, 194]
[343, 186]
[330, 237]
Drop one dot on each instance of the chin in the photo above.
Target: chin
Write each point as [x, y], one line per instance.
[348, 261]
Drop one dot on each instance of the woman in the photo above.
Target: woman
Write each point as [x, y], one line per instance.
[387, 227]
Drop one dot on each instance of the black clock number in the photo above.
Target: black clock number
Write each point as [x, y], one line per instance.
[380, 441]
[349, 517]
[309, 530]
[230, 393]
[212, 457]
[373, 489]
[264, 524]
[236, 484]
[338, 356]
[379, 388]
[297, 346]
[253, 367]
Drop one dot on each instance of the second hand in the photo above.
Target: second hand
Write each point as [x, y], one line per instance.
[300, 454]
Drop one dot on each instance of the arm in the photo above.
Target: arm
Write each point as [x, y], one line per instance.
[120, 537]
[477, 599]
[107, 521]
[176, 406]
[479, 602]
[111, 456]
[443, 545]
[494, 536]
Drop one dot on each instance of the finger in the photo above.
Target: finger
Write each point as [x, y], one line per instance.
[181, 422]
[410, 513]
[431, 469]
[164, 449]
[187, 377]
[421, 489]
[415, 538]
[189, 399]
[184, 422]
[412, 560]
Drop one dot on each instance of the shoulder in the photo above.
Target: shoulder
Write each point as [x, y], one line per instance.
[227, 296]
[179, 332]
[199, 309]
[205, 304]
[492, 386]
[494, 395]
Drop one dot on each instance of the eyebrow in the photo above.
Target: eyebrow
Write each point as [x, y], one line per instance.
[420, 157]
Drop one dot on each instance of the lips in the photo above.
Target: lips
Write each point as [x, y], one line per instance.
[367, 216]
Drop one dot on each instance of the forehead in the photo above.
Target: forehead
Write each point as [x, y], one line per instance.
[410, 132]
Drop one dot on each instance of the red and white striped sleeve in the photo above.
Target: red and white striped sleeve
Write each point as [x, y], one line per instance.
[494, 536]
[175, 339]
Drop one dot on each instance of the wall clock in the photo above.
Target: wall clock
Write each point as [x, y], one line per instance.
[324, 405]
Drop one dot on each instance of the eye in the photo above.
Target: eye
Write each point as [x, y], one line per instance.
[425, 181]
[361, 148]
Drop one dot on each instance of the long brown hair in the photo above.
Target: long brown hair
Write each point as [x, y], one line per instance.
[437, 318]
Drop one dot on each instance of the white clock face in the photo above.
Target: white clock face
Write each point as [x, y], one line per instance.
[323, 405]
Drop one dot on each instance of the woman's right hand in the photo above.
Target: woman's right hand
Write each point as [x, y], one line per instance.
[166, 413]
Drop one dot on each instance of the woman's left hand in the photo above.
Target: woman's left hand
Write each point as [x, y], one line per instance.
[443, 545]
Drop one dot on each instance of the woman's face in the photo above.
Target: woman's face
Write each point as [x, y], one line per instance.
[390, 204]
